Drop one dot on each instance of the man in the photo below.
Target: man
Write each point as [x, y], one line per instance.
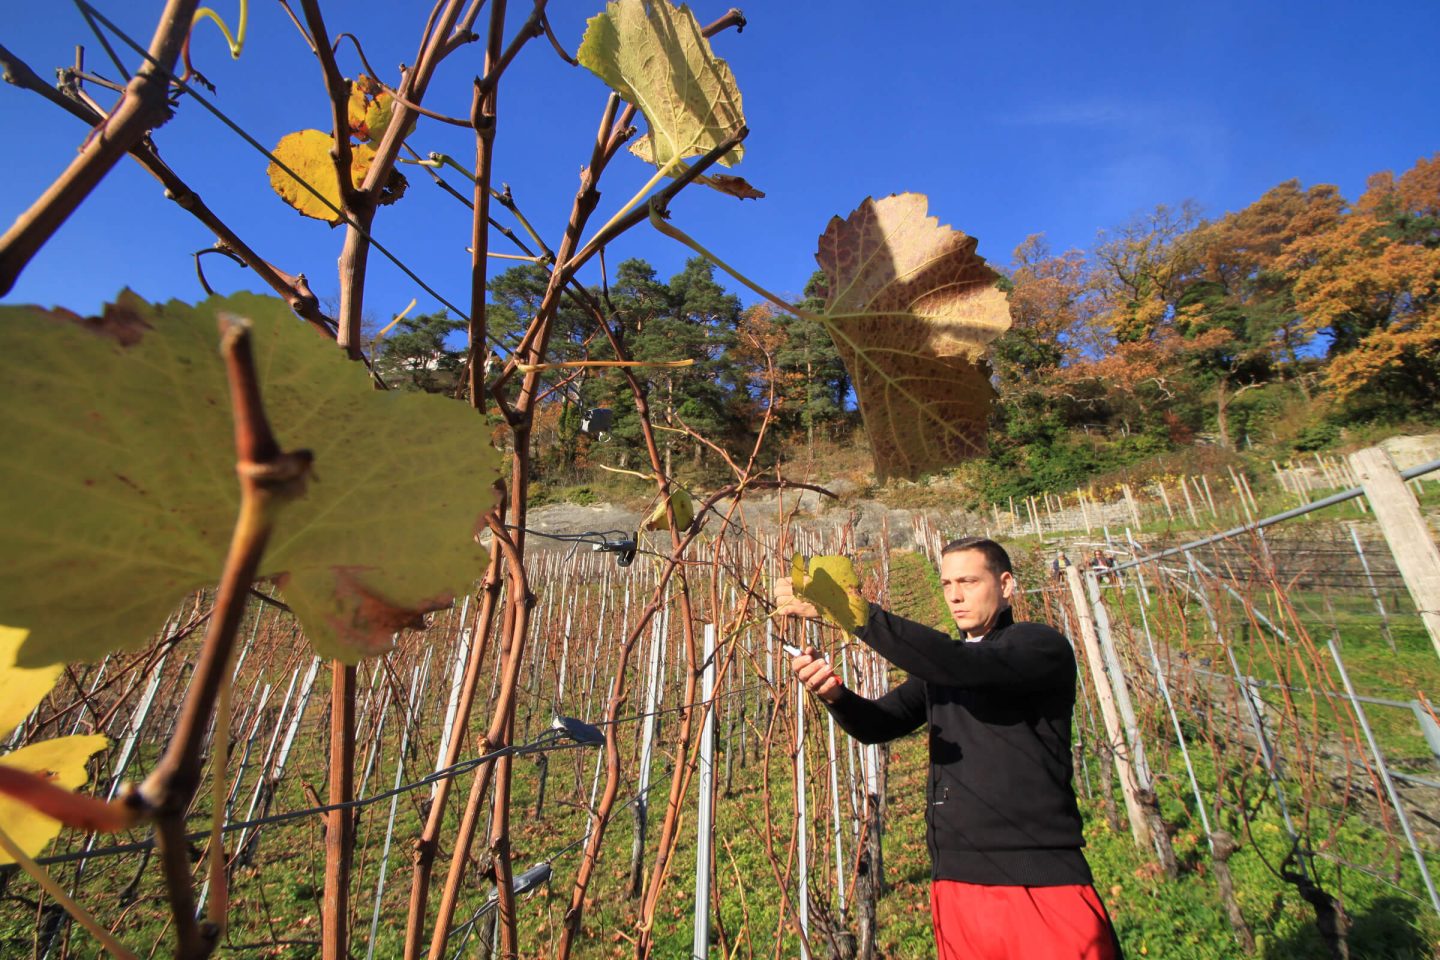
[1009, 879]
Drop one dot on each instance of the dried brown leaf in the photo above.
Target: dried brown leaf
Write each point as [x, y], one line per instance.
[911, 308]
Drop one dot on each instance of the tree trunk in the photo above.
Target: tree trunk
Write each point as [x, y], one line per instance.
[1222, 407]
[1224, 847]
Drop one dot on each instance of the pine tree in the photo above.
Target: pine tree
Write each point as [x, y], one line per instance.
[422, 353]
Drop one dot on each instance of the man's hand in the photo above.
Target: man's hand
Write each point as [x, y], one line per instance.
[789, 605]
[815, 672]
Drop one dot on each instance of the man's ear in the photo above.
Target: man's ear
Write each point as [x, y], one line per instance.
[1007, 585]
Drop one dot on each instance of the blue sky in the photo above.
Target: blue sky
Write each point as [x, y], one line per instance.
[1015, 118]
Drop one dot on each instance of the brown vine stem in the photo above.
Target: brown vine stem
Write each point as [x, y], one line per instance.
[441, 38]
[520, 418]
[428, 842]
[515, 627]
[483, 119]
[600, 816]
[339, 824]
[683, 772]
[268, 478]
[143, 108]
[359, 207]
[293, 288]
[338, 89]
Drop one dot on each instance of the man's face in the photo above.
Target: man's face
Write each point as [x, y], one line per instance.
[974, 594]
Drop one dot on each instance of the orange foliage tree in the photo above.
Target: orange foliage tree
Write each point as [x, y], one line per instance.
[1371, 282]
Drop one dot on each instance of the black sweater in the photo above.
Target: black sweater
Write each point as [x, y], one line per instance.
[1001, 804]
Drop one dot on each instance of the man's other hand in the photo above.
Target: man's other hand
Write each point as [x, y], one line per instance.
[816, 673]
[789, 605]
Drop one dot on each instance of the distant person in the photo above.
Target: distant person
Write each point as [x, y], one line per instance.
[1104, 566]
[1059, 565]
[1009, 876]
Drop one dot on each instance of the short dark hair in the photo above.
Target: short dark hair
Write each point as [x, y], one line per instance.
[997, 561]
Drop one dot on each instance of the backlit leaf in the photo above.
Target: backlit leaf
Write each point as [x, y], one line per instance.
[684, 507]
[21, 688]
[654, 55]
[833, 586]
[371, 106]
[61, 762]
[119, 474]
[737, 187]
[307, 152]
[911, 308]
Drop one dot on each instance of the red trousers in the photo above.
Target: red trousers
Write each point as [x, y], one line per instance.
[980, 922]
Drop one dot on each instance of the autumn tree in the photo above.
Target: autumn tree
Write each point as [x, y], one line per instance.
[1241, 256]
[1140, 270]
[1370, 283]
[1128, 352]
[1037, 436]
[1050, 309]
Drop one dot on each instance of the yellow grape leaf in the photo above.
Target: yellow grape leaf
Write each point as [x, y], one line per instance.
[833, 586]
[911, 308]
[60, 761]
[654, 55]
[371, 107]
[21, 688]
[120, 498]
[307, 152]
[684, 507]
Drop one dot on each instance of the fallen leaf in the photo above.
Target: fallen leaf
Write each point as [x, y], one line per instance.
[833, 586]
[121, 496]
[911, 308]
[654, 55]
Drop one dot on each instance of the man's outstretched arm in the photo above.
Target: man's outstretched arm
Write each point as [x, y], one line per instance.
[892, 715]
[1029, 656]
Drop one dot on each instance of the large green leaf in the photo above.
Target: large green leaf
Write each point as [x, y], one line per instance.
[654, 55]
[120, 488]
[911, 308]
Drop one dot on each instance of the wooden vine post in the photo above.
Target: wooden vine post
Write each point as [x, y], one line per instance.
[1404, 527]
[1115, 734]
